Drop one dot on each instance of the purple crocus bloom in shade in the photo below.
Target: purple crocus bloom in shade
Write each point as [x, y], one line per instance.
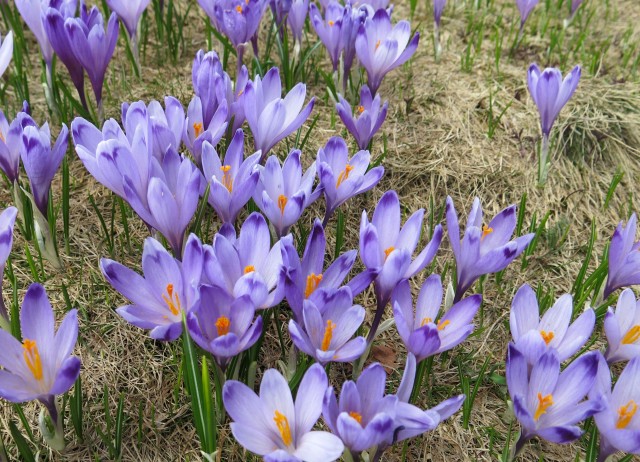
[624, 258]
[534, 336]
[329, 29]
[364, 120]
[619, 422]
[296, 19]
[6, 52]
[93, 47]
[31, 10]
[525, 7]
[484, 249]
[171, 199]
[306, 278]
[270, 117]
[11, 143]
[232, 181]
[283, 192]
[274, 426]
[327, 328]
[622, 328]
[248, 264]
[41, 161]
[129, 12]
[342, 178]
[223, 325]
[388, 248]
[382, 47]
[549, 403]
[438, 8]
[7, 221]
[41, 366]
[423, 332]
[169, 287]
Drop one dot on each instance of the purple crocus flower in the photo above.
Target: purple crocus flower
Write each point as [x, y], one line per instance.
[168, 289]
[270, 117]
[129, 12]
[575, 4]
[223, 325]
[7, 221]
[549, 403]
[296, 19]
[280, 10]
[306, 279]
[210, 83]
[534, 336]
[618, 423]
[40, 160]
[438, 8]
[354, 17]
[342, 178]
[366, 119]
[327, 328]
[274, 426]
[388, 248]
[624, 258]
[233, 181]
[41, 366]
[11, 143]
[248, 264]
[423, 332]
[622, 328]
[382, 47]
[31, 11]
[6, 52]
[329, 29]
[484, 249]
[93, 47]
[197, 131]
[525, 7]
[283, 192]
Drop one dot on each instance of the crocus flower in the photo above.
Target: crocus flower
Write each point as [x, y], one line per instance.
[41, 366]
[11, 143]
[6, 52]
[366, 119]
[328, 327]
[388, 248]
[329, 29]
[41, 161]
[197, 131]
[306, 279]
[525, 7]
[7, 221]
[353, 18]
[296, 19]
[283, 192]
[618, 422]
[484, 249]
[273, 425]
[534, 336]
[381, 47]
[169, 287]
[624, 258]
[622, 328]
[549, 403]
[232, 181]
[270, 117]
[575, 4]
[31, 10]
[93, 47]
[280, 10]
[129, 12]
[223, 325]
[209, 82]
[342, 178]
[248, 264]
[438, 8]
[423, 332]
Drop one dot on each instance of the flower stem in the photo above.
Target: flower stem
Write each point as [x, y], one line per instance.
[543, 161]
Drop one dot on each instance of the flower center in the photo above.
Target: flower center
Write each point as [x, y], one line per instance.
[249, 269]
[486, 231]
[547, 336]
[282, 203]
[328, 335]
[32, 358]
[312, 284]
[331, 23]
[625, 414]
[344, 175]
[172, 300]
[222, 324]
[632, 335]
[239, 8]
[357, 416]
[544, 402]
[283, 427]
[197, 129]
[360, 109]
[227, 181]
[388, 251]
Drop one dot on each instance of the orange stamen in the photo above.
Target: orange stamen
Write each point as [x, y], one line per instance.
[344, 175]
[222, 324]
[547, 336]
[239, 9]
[227, 181]
[443, 324]
[197, 129]
[331, 23]
[312, 284]
[174, 305]
[486, 231]
[249, 269]
[328, 335]
[283, 427]
[32, 358]
[425, 321]
[377, 44]
[632, 335]
[357, 416]
[282, 203]
[544, 402]
[625, 414]
[360, 109]
[388, 251]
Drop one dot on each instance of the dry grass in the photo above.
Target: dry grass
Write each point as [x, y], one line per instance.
[436, 146]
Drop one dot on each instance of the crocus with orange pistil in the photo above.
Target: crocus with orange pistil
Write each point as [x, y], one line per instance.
[622, 328]
[624, 257]
[329, 28]
[364, 120]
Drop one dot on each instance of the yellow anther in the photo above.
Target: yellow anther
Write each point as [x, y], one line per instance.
[239, 9]
[357, 416]
[282, 203]
[626, 413]
[283, 427]
[425, 321]
[547, 336]
[222, 324]
[443, 324]
[227, 181]
[32, 358]
[377, 44]
[544, 402]
[172, 300]
[360, 109]
[328, 335]
[197, 129]
[331, 23]
[2, 138]
[344, 175]
[388, 251]
[249, 269]
[312, 284]
[486, 231]
[632, 335]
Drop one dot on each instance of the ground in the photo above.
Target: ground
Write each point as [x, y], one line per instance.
[438, 143]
